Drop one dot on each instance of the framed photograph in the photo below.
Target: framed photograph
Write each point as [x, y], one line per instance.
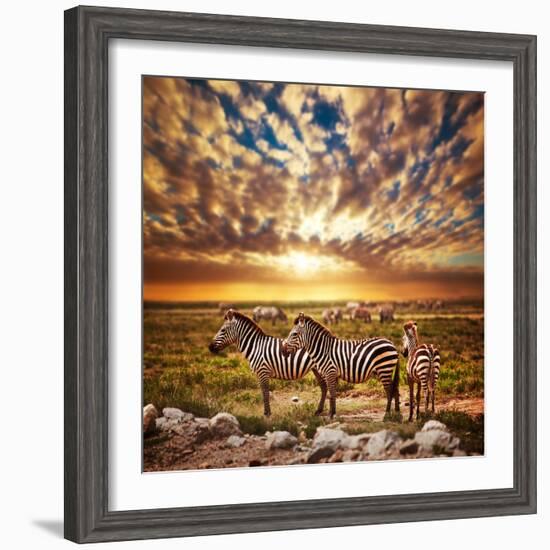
[300, 274]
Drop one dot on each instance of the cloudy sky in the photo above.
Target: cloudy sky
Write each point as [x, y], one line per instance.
[292, 191]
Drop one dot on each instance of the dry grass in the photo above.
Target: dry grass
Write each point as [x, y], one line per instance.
[179, 371]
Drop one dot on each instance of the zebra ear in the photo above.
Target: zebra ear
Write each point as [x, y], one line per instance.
[229, 315]
[301, 318]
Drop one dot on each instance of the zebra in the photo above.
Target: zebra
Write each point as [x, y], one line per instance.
[327, 316]
[423, 367]
[264, 354]
[350, 306]
[386, 314]
[272, 313]
[332, 315]
[361, 312]
[353, 360]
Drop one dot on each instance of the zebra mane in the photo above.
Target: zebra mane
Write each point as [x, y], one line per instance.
[321, 327]
[250, 322]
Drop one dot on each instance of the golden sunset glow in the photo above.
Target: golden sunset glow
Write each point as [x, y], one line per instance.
[261, 191]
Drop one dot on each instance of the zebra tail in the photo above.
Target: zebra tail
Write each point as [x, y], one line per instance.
[395, 384]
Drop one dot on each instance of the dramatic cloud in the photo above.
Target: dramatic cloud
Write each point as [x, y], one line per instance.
[304, 190]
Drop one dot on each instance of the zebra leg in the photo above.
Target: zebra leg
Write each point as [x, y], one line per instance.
[428, 393]
[395, 386]
[411, 398]
[323, 386]
[389, 397]
[264, 385]
[332, 380]
[433, 401]
[418, 400]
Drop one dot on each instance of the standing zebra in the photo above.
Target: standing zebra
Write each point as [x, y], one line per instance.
[422, 367]
[361, 312]
[271, 313]
[353, 360]
[264, 354]
[386, 314]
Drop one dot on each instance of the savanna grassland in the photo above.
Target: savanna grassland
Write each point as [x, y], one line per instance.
[179, 371]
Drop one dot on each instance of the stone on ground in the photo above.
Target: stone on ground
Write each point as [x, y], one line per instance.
[150, 415]
[434, 439]
[408, 447]
[329, 437]
[280, 440]
[235, 441]
[176, 414]
[381, 443]
[224, 424]
[434, 425]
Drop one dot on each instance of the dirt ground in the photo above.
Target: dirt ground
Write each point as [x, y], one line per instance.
[176, 454]
[179, 453]
[472, 406]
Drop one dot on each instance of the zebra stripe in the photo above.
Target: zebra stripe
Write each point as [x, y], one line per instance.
[423, 366]
[352, 360]
[264, 354]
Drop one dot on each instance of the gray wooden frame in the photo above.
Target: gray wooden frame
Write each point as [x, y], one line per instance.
[87, 34]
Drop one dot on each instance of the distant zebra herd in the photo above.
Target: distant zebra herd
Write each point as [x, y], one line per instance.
[355, 311]
[312, 347]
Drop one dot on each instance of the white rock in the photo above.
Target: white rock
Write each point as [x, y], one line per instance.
[235, 441]
[161, 424]
[436, 438]
[280, 440]
[350, 455]
[202, 421]
[331, 426]
[434, 425]
[315, 455]
[168, 424]
[381, 442]
[150, 415]
[331, 438]
[224, 424]
[355, 441]
[176, 414]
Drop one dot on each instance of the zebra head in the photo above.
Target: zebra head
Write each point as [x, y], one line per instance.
[227, 334]
[410, 336]
[295, 339]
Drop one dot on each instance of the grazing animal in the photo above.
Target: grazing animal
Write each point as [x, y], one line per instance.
[350, 306]
[270, 313]
[352, 360]
[386, 314]
[332, 315]
[327, 316]
[423, 367]
[361, 312]
[264, 354]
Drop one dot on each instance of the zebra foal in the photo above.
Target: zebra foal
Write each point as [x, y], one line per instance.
[352, 360]
[264, 354]
[423, 367]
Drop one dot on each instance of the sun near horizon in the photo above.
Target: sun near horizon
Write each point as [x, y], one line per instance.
[289, 192]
